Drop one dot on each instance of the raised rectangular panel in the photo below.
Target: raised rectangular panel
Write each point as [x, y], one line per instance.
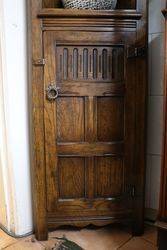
[108, 177]
[110, 119]
[70, 119]
[90, 63]
[71, 176]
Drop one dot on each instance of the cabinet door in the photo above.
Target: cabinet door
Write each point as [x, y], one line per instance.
[89, 127]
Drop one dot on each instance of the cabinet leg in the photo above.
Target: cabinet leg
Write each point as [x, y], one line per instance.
[138, 218]
[41, 232]
[137, 228]
[41, 236]
[162, 239]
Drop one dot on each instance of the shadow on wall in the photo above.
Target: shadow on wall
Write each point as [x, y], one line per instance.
[154, 119]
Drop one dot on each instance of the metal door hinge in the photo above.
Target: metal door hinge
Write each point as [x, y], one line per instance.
[133, 191]
[39, 62]
[133, 52]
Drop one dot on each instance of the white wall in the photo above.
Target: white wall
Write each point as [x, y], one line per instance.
[155, 101]
[3, 139]
[16, 108]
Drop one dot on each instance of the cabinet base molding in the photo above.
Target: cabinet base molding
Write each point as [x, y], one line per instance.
[54, 223]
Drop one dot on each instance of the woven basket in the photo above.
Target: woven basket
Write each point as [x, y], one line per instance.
[90, 4]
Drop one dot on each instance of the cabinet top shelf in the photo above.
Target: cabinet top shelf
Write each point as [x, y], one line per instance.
[115, 14]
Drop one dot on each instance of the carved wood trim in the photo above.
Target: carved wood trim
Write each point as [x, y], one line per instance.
[114, 14]
[89, 25]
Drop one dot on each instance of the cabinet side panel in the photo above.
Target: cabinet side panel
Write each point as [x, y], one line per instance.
[163, 197]
[141, 104]
[36, 120]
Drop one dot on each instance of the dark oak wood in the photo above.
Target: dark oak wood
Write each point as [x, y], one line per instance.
[164, 12]
[162, 217]
[37, 127]
[162, 234]
[121, 4]
[140, 124]
[88, 145]
[126, 4]
[119, 14]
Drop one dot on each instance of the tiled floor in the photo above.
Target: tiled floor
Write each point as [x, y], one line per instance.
[107, 238]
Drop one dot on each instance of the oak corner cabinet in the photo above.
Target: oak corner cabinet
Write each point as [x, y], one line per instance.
[88, 93]
[162, 217]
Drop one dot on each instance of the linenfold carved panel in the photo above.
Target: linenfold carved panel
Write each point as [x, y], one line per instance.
[90, 63]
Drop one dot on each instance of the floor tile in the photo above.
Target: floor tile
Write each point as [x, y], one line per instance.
[28, 243]
[91, 238]
[138, 243]
[150, 235]
[49, 244]
[107, 238]
[5, 240]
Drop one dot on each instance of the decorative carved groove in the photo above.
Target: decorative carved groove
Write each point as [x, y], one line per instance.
[114, 15]
[113, 62]
[65, 63]
[75, 24]
[80, 63]
[61, 63]
[95, 63]
[104, 63]
[85, 63]
[100, 64]
[70, 63]
[75, 63]
[109, 63]
[91, 63]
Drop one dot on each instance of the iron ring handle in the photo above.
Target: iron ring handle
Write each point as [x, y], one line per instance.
[52, 92]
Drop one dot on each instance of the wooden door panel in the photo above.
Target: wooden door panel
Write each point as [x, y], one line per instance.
[88, 208]
[71, 177]
[89, 128]
[70, 119]
[109, 177]
[110, 119]
[91, 89]
[91, 149]
[90, 63]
